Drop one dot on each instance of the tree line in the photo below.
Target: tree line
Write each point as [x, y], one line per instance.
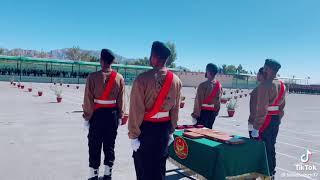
[77, 54]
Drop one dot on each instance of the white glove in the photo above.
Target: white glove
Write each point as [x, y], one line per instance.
[120, 121]
[171, 139]
[255, 133]
[194, 121]
[86, 124]
[250, 127]
[135, 144]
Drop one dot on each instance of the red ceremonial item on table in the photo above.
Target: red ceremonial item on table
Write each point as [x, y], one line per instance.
[269, 115]
[199, 126]
[188, 126]
[106, 93]
[160, 100]
[193, 135]
[211, 96]
[180, 127]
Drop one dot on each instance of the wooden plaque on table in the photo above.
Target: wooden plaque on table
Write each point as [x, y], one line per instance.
[193, 135]
[213, 135]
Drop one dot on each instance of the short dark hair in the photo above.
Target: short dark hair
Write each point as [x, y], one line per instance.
[260, 70]
[160, 50]
[107, 56]
[212, 68]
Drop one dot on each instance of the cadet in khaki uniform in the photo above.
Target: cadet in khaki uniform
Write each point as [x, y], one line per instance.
[207, 101]
[269, 110]
[253, 101]
[103, 108]
[153, 116]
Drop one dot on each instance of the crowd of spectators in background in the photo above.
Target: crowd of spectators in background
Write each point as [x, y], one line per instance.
[42, 73]
[292, 88]
[303, 89]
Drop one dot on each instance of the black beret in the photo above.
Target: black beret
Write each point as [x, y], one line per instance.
[107, 55]
[160, 49]
[273, 64]
[212, 68]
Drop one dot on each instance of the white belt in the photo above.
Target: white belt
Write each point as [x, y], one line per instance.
[208, 105]
[98, 101]
[273, 108]
[160, 115]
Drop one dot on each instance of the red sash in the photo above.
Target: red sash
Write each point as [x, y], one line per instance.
[160, 100]
[211, 96]
[106, 93]
[271, 113]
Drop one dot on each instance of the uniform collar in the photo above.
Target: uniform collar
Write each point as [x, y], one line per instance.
[213, 81]
[269, 81]
[160, 68]
[107, 70]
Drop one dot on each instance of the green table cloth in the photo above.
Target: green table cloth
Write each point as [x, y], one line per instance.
[215, 160]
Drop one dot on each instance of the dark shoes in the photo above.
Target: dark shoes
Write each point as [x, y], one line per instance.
[101, 178]
[106, 177]
[94, 178]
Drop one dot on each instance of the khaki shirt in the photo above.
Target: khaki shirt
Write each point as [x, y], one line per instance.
[144, 93]
[95, 86]
[203, 92]
[253, 103]
[267, 92]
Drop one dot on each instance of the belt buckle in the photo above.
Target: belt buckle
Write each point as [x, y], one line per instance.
[157, 116]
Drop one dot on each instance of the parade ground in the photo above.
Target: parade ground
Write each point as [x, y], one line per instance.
[41, 139]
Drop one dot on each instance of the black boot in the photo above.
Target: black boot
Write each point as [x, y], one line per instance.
[94, 173]
[94, 178]
[107, 172]
[105, 177]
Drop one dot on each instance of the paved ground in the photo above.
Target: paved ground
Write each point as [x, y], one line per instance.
[44, 140]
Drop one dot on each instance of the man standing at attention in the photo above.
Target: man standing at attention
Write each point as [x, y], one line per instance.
[269, 110]
[253, 101]
[153, 116]
[103, 108]
[207, 101]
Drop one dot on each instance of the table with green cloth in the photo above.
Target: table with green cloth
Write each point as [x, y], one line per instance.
[215, 160]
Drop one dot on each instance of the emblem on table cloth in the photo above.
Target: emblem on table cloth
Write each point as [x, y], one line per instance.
[181, 148]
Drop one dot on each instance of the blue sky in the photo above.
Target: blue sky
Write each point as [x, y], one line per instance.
[223, 32]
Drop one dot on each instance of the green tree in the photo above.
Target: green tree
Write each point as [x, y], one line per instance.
[183, 68]
[85, 56]
[142, 62]
[173, 57]
[74, 53]
[231, 69]
[224, 68]
[1, 50]
[240, 68]
[94, 59]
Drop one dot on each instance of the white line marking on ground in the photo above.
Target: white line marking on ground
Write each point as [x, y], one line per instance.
[295, 132]
[292, 172]
[292, 157]
[312, 150]
[301, 139]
